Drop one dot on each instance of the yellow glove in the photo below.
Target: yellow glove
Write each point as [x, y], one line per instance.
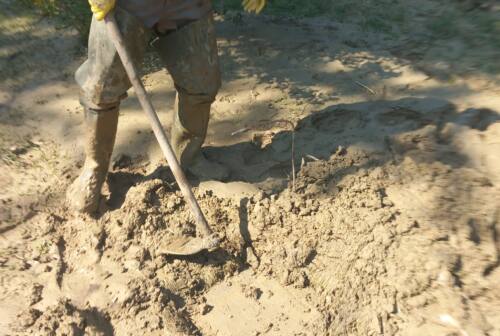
[101, 8]
[254, 5]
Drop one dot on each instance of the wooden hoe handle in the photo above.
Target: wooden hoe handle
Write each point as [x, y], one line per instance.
[116, 37]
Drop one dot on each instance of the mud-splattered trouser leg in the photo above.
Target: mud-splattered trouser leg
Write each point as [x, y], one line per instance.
[103, 84]
[190, 55]
[102, 77]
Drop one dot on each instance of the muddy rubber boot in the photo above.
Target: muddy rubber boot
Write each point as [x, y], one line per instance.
[85, 192]
[187, 145]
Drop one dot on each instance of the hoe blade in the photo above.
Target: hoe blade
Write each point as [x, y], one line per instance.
[188, 245]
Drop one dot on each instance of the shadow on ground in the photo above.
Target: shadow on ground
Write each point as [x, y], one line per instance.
[376, 128]
[373, 132]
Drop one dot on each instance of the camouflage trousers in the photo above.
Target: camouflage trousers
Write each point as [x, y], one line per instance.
[189, 53]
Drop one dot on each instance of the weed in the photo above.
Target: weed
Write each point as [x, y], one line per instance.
[43, 248]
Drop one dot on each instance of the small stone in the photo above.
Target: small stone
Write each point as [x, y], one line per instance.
[252, 259]
[253, 292]
[341, 151]
[205, 309]
[28, 317]
[35, 295]
[17, 150]
[445, 278]
[123, 161]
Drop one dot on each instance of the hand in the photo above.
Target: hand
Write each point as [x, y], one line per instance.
[254, 5]
[101, 8]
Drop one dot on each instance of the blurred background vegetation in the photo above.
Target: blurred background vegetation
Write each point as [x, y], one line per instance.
[474, 22]
[76, 13]
[69, 13]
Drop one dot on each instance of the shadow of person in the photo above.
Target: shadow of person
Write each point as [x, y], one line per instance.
[371, 131]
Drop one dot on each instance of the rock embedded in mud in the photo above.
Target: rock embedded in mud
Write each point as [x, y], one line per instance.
[314, 189]
[28, 317]
[303, 212]
[205, 309]
[285, 277]
[252, 292]
[251, 259]
[299, 279]
[123, 161]
[61, 319]
[35, 294]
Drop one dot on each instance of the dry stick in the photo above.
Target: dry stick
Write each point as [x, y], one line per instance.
[365, 87]
[312, 157]
[241, 130]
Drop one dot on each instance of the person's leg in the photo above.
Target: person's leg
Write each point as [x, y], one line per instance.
[103, 82]
[100, 130]
[190, 55]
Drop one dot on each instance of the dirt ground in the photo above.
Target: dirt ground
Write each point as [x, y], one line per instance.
[391, 226]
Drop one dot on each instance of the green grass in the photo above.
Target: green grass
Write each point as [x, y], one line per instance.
[69, 13]
[376, 15]
[392, 17]
[489, 26]
[444, 25]
[371, 14]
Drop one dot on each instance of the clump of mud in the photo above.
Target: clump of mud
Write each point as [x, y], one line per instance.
[154, 212]
[64, 318]
[117, 256]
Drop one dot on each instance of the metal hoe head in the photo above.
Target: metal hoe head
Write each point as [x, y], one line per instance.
[182, 246]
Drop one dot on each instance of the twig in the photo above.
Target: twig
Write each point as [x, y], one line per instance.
[241, 130]
[312, 157]
[365, 87]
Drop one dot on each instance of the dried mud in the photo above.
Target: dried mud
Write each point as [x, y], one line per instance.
[380, 239]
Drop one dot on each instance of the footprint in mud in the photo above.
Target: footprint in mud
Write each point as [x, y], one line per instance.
[336, 120]
[479, 119]
[402, 116]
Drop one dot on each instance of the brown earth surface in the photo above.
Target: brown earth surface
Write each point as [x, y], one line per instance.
[391, 226]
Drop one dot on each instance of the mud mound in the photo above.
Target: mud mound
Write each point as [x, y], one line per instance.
[149, 291]
[154, 212]
[64, 318]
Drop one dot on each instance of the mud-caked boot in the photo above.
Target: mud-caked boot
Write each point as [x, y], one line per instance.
[85, 192]
[187, 147]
